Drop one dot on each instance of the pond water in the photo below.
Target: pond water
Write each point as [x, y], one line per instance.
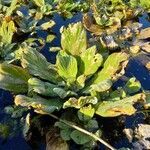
[135, 68]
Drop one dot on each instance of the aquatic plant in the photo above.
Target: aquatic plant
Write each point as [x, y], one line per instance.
[79, 85]
[109, 16]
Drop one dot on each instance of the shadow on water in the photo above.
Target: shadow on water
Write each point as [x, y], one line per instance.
[135, 68]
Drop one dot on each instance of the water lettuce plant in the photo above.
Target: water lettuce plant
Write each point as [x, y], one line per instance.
[79, 85]
[109, 16]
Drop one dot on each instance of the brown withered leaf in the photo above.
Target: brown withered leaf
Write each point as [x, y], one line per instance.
[54, 141]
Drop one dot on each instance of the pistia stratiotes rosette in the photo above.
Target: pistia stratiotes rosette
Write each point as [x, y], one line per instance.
[80, 81]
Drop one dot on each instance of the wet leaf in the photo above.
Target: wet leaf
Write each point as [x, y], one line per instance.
[121, 107]
[67, 66]
[40, 105]
[73, 39]
[13, 78]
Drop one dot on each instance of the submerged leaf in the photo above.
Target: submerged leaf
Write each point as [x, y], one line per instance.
[67, 66]
[13, 78]
[121, 107]
[73, 39]
[40, 105]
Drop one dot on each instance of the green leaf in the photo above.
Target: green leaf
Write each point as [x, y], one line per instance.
[40, 105]
[80, 138]
[63, 93]
[47, 25]
[73, 39]
[92, 125]
[13, 78]
[12, 7]
[41, 87]
[78, 103]
[65, 134]
[67, 66]
[50, 38]
[39, 3]
[7, 29]
[90, 61]
[102, 86]
[86, 113]
[132, 86]
[38, 66]
[120, 107]
[111, 66]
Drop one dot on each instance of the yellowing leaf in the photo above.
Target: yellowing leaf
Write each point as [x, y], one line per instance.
[86, 113]
[111, 66]
[120, 107]
[7, 30]
[90, 61]
[73, 39]
[40, 105]
[39, 3]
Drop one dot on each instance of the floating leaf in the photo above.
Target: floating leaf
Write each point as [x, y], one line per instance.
[121, 107]
[13, 78]
[40, 105]
[132, 86]
[47, 25]
[67, 66]
[73, 39]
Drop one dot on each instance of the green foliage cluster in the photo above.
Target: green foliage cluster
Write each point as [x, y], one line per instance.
[80, 83]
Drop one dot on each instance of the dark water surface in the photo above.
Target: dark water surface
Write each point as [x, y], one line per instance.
[135, 68]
